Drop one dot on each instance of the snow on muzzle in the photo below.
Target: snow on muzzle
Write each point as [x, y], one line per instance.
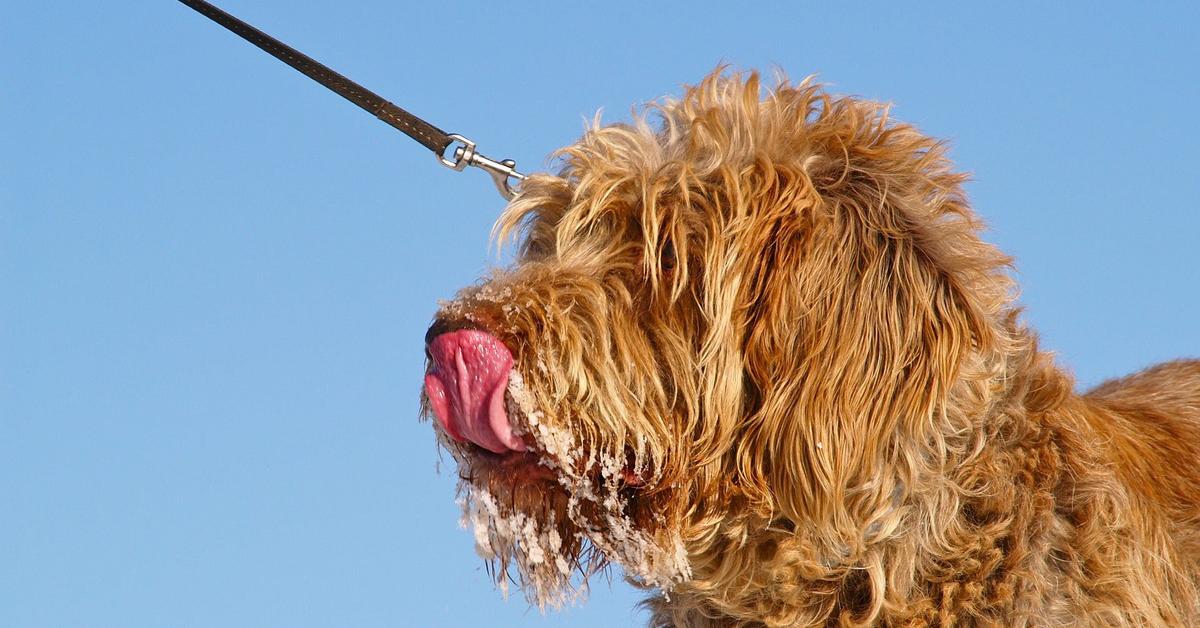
[466, 386]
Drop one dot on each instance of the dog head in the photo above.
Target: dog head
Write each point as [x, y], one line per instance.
[727, 339]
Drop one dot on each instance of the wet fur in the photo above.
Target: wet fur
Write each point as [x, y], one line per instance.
[779, 310]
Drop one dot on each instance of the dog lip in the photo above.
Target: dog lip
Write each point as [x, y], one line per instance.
[518, 465]
[466, 389]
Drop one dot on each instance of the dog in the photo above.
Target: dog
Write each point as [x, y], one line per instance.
[753, 350]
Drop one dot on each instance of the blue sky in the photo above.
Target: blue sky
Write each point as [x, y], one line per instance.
[216, 275]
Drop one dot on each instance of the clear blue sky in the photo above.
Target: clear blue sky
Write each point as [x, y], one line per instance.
[216, 275]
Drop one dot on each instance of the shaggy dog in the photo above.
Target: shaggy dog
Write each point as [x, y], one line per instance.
[759, 356]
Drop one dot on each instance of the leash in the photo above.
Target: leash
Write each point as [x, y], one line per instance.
[429, 136]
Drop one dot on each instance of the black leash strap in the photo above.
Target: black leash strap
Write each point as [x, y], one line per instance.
[428, 135]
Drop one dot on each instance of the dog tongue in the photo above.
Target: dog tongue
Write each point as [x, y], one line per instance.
[466, 388]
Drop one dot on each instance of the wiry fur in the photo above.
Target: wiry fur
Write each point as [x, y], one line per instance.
[778, 314]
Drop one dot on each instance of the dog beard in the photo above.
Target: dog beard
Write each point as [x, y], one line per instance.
[550, 518]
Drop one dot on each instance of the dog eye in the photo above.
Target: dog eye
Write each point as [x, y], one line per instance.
[667, 261]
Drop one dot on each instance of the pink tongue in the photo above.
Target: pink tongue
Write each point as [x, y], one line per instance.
[466, 388]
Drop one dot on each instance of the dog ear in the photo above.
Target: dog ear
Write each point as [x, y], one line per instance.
[868, 293]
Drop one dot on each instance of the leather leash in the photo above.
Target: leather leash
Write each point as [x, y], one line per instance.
[426, 134]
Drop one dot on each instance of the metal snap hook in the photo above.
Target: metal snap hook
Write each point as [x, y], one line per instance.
[464, 154]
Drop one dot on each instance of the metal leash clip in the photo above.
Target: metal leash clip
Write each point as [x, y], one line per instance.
[500, 171]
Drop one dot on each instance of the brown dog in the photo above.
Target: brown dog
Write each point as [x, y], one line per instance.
[759, 357]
